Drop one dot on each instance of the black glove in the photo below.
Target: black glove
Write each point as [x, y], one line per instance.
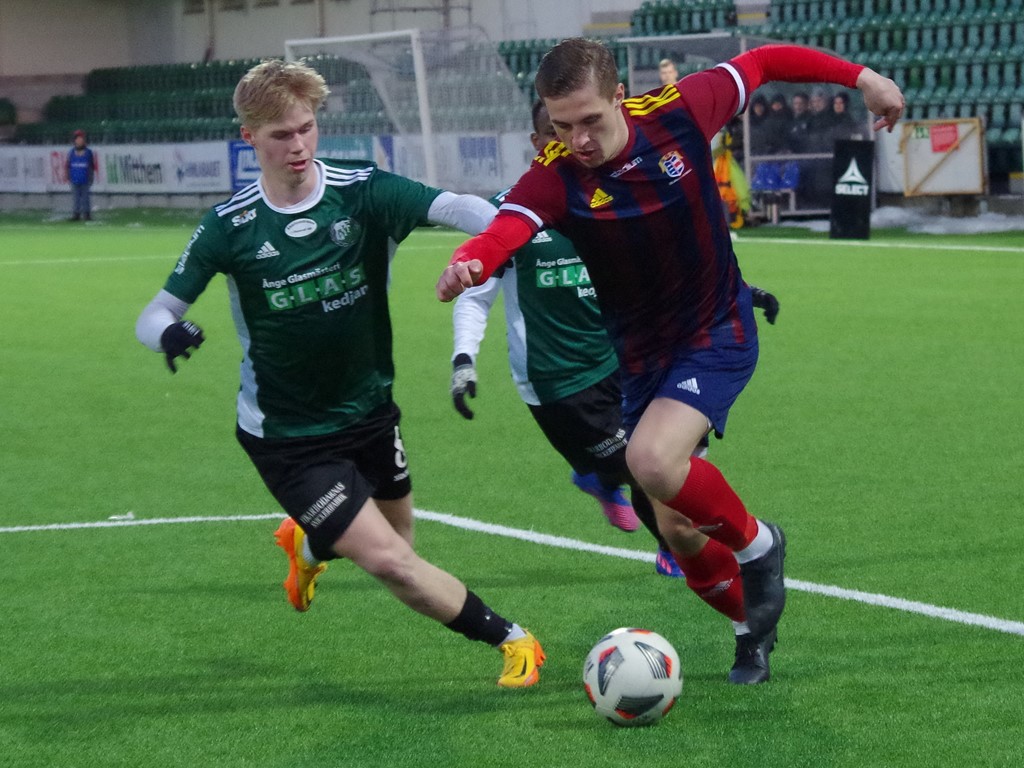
[463, 383]
[767, 302]
[177, 339]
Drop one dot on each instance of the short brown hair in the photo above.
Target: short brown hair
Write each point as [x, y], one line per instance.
[573, 64]
[267, 90]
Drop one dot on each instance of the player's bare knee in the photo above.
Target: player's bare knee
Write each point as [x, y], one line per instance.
[684, 538]
[394, 566]
[657, 472]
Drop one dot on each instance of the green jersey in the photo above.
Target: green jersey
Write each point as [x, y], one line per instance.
[308, 292]
[557, 343]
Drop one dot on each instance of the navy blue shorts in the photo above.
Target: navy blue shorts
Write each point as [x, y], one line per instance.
[708, 380]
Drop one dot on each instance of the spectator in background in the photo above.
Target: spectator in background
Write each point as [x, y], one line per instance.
[758, 110]
[667, 72]
[81, 170]
[816, 174]
[775, 129]
[820, 119]
[796, 136]
[759, 122]
[844, 126]
[779, 107]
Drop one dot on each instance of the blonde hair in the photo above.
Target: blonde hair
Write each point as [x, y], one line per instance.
[271, 87]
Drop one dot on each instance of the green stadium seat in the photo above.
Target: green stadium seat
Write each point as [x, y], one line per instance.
[1011, 136]
[1015, 113]
[8, 112]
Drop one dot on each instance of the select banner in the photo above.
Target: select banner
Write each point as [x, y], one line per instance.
[852, 178]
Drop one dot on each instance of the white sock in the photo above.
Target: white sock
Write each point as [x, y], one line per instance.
[307, 553]
[516, 633]
[758, 547]
[740, 628]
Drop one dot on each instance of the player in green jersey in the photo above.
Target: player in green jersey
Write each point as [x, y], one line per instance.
[305, 250]
[566, 371]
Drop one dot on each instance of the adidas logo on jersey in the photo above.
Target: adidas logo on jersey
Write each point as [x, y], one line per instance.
[600, 198]
[267, 251]
[541, 237]
[690, 385]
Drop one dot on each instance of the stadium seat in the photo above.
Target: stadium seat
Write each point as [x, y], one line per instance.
[1011, 136]
[766, 178]
[8, 112]
[1015, 114]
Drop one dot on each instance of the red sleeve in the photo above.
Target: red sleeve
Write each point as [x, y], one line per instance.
[539, 196]
[794, 64]
[712, 97]
[504, 236]
[536, 201]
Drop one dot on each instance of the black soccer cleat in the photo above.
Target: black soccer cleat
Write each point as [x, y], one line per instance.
[764, 588]
[751, 666]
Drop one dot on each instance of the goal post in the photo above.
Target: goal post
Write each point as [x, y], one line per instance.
[354, 45]
[438, 106]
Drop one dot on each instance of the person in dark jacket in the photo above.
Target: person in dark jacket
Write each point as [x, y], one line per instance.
[81, 170]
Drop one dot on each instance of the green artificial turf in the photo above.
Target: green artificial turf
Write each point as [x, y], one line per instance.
[883, 430]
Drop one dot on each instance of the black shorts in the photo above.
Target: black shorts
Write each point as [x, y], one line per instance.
[586, 428]
[323, 481]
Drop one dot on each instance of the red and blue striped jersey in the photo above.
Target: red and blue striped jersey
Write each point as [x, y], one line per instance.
[649, 224]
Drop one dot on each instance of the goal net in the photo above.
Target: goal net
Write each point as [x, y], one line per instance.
[437, 106]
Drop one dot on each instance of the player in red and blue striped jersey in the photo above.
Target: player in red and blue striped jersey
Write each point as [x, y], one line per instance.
[631, 185]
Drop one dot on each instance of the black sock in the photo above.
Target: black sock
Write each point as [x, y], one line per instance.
[478, 622]
[644, 511]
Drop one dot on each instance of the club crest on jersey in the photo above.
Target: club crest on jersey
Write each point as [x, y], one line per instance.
[344, 232]
[672, 164]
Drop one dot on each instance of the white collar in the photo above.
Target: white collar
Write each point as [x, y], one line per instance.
[303, 205]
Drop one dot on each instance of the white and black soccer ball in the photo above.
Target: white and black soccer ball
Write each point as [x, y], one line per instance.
[632, 676]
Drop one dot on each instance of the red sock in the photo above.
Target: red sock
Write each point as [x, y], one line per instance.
[713, 506]
[713, 574]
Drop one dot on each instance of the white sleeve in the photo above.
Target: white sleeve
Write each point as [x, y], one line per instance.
[469, 316]
[468, 213]
[164, 310]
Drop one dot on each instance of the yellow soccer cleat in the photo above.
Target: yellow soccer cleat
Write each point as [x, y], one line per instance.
[523, 659]
[301, 581]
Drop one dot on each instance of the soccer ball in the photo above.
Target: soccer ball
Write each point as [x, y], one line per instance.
[632, 676]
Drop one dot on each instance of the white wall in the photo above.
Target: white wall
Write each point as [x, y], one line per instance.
[42, 37]
[49, 37]
[259, 31]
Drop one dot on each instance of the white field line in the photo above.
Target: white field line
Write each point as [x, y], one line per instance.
[921, 246]
[561, 542]
[170, 258]
[743, 240]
